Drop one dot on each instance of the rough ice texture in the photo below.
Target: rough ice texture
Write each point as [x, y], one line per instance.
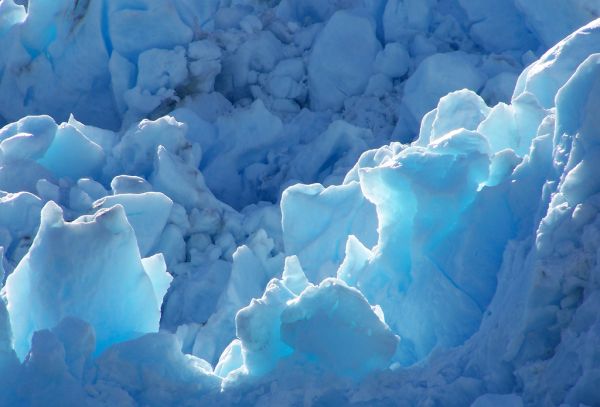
[313, 202]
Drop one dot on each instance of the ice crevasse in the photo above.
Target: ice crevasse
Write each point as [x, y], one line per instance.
[459, 269]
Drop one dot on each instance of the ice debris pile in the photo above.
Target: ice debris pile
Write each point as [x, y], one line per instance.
[168, 243]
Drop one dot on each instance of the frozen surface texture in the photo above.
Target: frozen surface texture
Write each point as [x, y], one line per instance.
[299, 202]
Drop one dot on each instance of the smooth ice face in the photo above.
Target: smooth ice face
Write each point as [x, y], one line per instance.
[491, 17]
[547, 75]
[35, 148]
[566, 15]
[159, 72]
[332, 153]
[305, 10]
[73, 155]
[498, 400]
[20, 215]
[12, 13]
[89, 268]
[71, 36]
[513, 126]
[341, 61]
[258, 326]
[393, 60]
[147, 213]
[420, 196]
[293, 276]
[316, 222]
[230, 360]
[29, 138]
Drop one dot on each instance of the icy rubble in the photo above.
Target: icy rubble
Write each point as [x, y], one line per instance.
[283, 54]
[331, 325]
[141, 267]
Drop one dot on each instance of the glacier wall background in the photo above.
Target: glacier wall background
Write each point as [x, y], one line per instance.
[166, 244]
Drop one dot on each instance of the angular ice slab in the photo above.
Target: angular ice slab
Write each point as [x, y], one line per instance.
[341, 61]
[147, 213]
[90, 269]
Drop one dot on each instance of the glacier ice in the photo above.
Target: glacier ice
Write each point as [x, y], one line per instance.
[341, 61]
[154, 370]
[331, 325]
[87, 156]
[247, 202]
[437, 75]
[147, 214]
[316, 220]
[101, 261]
[357, 340]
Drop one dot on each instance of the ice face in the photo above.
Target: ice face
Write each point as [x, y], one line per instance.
[436, 76]
[415, 213]
[147, 214]
[334, 213]
[341, 60]
[491, 16]
[546, 76]
[86, 156]
[130, 43]
[99, 260]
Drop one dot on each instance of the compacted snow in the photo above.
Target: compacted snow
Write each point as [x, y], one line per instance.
[300, 202]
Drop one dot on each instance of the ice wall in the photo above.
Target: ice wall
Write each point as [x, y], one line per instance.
[456, 264]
